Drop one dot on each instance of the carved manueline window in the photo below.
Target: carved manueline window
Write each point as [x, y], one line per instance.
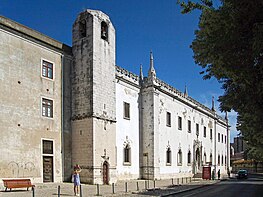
[127, 154]
[204, 158]
[82, 29]
[180, 158]
[168, 156]
[104, 30]
[189, 157]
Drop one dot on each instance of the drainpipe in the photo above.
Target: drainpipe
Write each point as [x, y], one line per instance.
[215, 155]
[62, 117]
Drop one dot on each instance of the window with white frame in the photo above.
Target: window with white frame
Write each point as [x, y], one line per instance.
[211, 134]
[218, 137]
[47, 147]
[204, 131]
[218, 162]
[47, 107]
[47, 69]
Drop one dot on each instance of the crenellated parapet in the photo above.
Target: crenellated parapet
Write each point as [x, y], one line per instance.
[127, 76]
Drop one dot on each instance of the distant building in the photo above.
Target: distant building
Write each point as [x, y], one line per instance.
[63, 105]
[239, 146]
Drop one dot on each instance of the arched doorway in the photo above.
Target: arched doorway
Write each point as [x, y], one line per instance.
[105, 173]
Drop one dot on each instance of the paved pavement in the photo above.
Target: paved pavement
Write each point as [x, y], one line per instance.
[121, 188]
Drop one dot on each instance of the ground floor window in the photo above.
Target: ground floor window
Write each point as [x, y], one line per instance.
[180, 158]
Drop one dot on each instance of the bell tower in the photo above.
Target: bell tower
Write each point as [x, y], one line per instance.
[93, 97]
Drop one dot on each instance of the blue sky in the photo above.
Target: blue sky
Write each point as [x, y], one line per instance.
[141, 26]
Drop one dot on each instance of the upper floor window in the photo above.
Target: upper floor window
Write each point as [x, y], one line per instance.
[47, 146]
[218, 137]
[168, 119]
[211, 134]
[197, 129]
[222, 160]
[168, 157]
[225, 139]
[204, 131]
[126, 109]
[222, 140]
[211, 158]
[218, 162]
[47, 69]
[180, 158]
[104, 31]
[179, 123]
[189, 126]
[47, 108]
[127, 154]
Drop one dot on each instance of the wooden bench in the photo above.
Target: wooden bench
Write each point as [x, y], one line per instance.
[17, 183]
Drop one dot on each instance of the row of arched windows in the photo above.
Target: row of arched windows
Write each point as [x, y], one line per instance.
[180, 157]
[221, 159]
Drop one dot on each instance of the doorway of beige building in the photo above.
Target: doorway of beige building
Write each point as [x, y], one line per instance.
[47, 169]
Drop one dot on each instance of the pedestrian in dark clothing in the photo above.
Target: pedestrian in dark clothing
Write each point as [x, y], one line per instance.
[218, 174]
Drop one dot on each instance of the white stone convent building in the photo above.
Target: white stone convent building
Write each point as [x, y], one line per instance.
[63, 105]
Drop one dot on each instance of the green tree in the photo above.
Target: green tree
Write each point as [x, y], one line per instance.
[228, 45]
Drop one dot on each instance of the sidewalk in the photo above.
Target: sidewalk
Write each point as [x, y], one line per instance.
[133, 188]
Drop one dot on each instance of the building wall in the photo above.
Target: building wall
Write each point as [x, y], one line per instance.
[22, 125]
[127, 130]
[94, 97]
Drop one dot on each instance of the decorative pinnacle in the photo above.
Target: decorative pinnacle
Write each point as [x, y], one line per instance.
[213, 103]
[185, 91]
[151, 71]
[141, 73]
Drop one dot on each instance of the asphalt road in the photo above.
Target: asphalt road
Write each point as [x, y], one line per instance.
[251, 187]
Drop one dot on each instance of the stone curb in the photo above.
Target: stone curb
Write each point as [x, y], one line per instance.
[189, 189]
